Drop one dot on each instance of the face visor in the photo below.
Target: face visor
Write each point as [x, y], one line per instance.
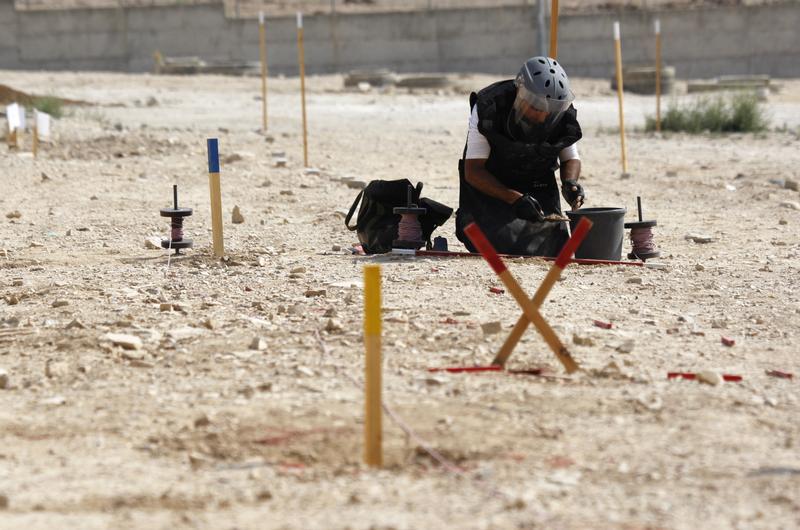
[535, 115]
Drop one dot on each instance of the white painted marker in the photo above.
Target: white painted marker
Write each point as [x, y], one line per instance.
[42, 125]
[12, 115]
[657, 26]
[299, 20]
[260, 18]
[616, 31]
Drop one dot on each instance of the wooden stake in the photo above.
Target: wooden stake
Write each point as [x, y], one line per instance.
[262, 45]
[35, 140]
[373, 430]
[657, 28]
[530, 311]
[216, 197]
[301, 60]
[563, 259]
[618, 54]
[554, 29]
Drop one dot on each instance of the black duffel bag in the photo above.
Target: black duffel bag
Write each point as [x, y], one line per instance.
[376, 224]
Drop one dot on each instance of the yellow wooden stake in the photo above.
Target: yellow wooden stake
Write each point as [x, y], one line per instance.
[301, 60]
[262, 46]
[216, 197]
[618, 54]
[373, 430]
[554, 29]
[657, 28]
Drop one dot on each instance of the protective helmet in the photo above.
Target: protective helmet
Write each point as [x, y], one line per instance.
[543, 94]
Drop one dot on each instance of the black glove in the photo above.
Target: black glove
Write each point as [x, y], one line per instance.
[572, 192]
[526, 207]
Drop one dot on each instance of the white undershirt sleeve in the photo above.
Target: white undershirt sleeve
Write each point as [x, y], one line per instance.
[478, 146]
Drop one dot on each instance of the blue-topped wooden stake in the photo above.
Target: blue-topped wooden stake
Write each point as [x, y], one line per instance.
[216, 197]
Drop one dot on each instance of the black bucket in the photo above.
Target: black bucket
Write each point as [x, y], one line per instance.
[604, 240]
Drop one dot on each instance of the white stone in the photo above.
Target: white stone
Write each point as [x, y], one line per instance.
[129, 342]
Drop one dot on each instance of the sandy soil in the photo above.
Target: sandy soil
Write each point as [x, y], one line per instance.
[196, 429]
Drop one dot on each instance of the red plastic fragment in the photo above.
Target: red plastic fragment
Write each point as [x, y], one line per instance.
[462, 369]
[490, 368]
[604, 325]
[691, 375]
[782, 375]
[728, 342]
[496, 290]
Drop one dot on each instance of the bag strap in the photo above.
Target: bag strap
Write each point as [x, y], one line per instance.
[352, 210]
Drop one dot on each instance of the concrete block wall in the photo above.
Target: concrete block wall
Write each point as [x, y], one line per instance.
[699, 42]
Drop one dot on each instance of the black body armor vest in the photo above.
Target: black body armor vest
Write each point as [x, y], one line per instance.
[527, 168]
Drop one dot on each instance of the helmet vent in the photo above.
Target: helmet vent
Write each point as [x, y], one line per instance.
[552, 71]
[541, 61]
[561, 84]
[555, 63]
[547, 83]
[536, 73]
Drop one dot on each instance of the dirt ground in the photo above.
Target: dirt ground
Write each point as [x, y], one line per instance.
[206, 426]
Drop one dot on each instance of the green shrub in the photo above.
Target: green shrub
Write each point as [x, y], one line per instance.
[50, 104]
[739, 112]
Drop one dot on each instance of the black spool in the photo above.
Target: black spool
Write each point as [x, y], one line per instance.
[642, 230]
[409, 231]
[176, 214]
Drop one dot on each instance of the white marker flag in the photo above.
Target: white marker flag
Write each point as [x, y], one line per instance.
[15, 116]
[42, 125]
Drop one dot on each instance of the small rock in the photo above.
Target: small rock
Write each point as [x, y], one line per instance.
[201, 421]
[286, 192]
[312, 171]
[3, 502]
[17, 282]
[152, 102]
[128, 342]
[14, 215]
[208, 324]
[55, 369]
[60, 303]
[231, 158]
[236, 217]
[491, 328]
[582, 341]
[790, 184]
[334, 326]
[55, 401]
[699, 238]
[12, 299]
[298, 270]
[356, 184]
[152, 243]
[3, 379]
[166, 306]
[792, 205]
[635, 280]
[258, 344]
[364, 87]
[627, 346]
[699, 267]
[263, 495]
[75, 324]
[336, 248]
[281, 162]
[709, 377]
[305, 371]
[132, 355]
[783, 222]
[312, 293]
[330, 312]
